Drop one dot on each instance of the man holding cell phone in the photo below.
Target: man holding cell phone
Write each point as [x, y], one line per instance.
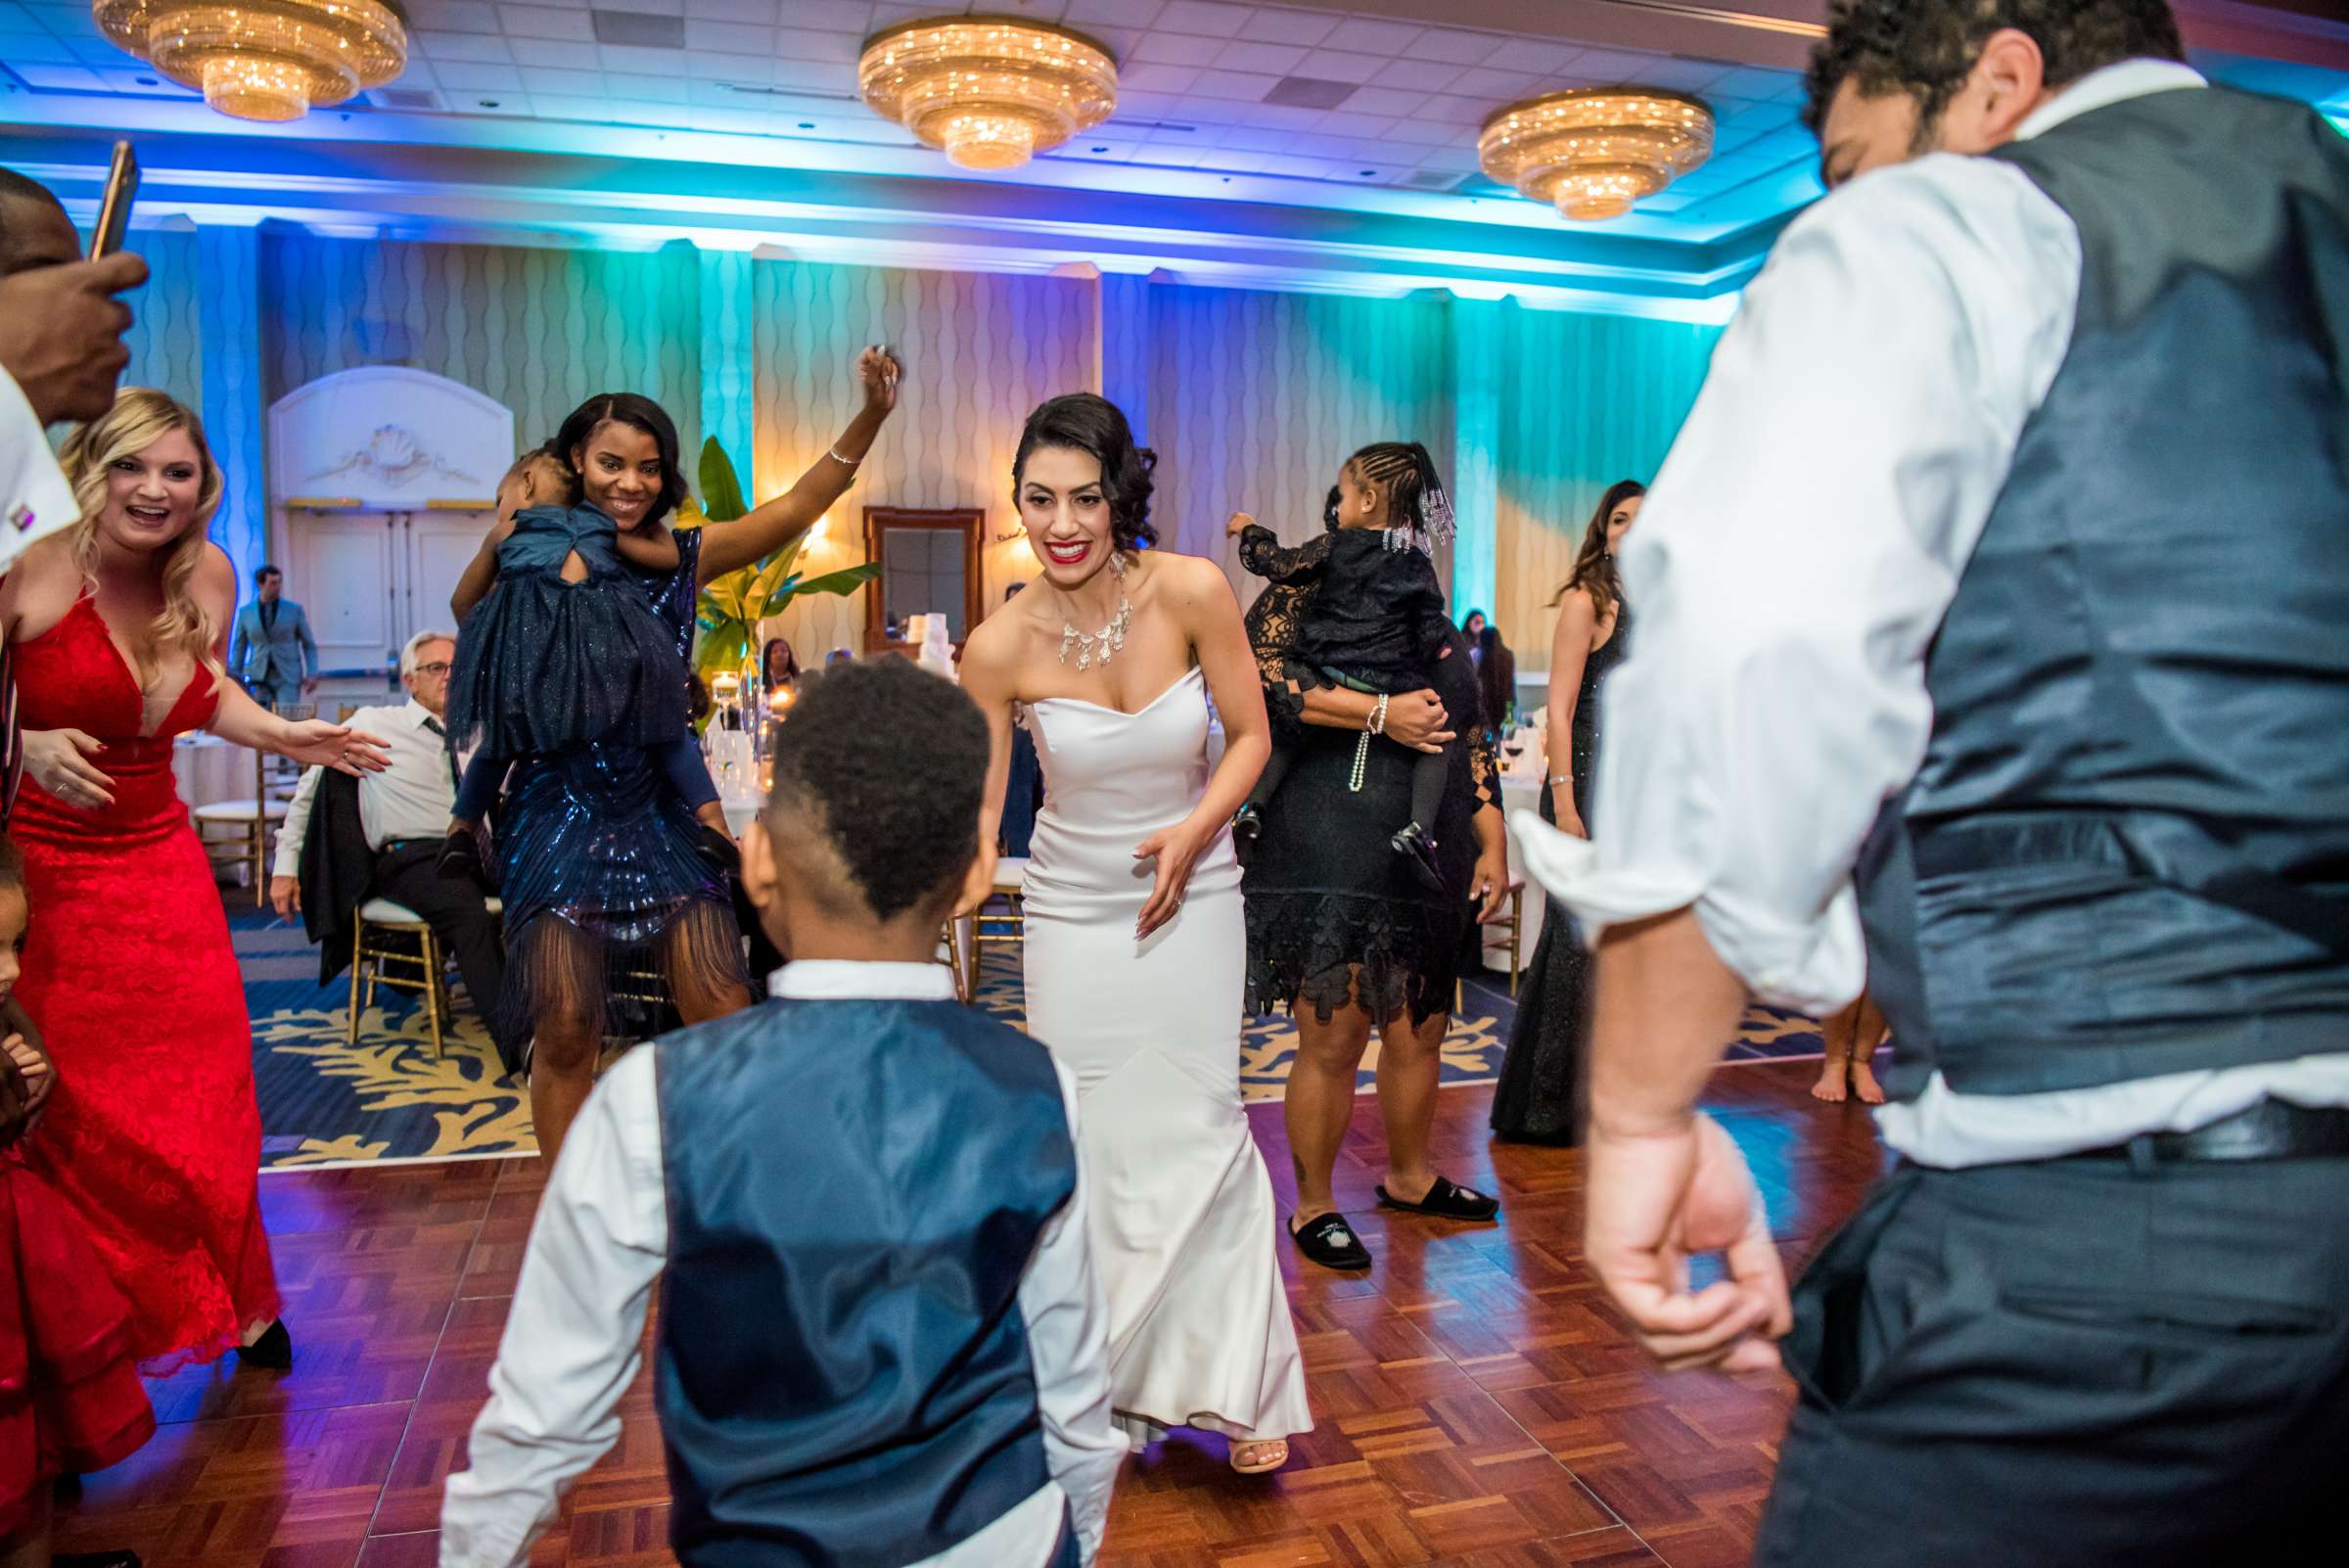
[61, 354]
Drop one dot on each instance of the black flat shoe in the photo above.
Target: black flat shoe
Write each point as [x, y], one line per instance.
[273, 1351]
[1331, 1242]
[122, 1558]
[1413, 843]
[1446, 1200]
[1246, 828]
[717, 852]
[460, 861]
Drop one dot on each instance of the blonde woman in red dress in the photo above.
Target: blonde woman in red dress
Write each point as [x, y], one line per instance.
[118, 626]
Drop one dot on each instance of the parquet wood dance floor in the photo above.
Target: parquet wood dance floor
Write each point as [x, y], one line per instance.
[1479, 1405]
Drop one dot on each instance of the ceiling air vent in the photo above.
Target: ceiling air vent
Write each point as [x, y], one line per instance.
[406, 97]
[1309, 92]
[1434, 179]
[638, 30]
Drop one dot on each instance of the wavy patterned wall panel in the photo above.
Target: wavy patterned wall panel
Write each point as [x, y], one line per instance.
[979, 350]
[1256, 398]
[166, 338]
[1585, 400]
[540, 331]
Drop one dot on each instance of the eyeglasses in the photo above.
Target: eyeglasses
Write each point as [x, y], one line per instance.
[441, 667]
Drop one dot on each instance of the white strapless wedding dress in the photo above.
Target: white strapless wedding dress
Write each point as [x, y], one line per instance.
[1184, 1223]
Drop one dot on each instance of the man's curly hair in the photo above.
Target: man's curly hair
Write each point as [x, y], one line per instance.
[1925, 48]
[887, 764]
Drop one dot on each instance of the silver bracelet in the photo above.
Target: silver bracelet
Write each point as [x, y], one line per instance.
[1378, 719]
[833, 452]
[1556, 779]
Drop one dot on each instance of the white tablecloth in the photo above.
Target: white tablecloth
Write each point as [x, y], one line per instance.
[209, 769]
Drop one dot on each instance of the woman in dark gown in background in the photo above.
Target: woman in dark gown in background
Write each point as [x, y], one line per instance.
[1542, 1093]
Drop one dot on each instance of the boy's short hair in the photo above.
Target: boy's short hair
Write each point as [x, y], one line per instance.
[881, 769]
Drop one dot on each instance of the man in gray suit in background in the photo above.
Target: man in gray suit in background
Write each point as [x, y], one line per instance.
[275, 655]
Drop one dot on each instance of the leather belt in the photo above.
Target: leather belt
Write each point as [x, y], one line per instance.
[2272, 1130]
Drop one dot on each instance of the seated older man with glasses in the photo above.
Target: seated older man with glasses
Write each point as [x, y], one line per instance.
[402, 816]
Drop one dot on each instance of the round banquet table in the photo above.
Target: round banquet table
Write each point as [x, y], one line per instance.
[209, 769]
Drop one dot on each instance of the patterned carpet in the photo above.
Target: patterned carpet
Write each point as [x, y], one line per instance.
[326, 1100]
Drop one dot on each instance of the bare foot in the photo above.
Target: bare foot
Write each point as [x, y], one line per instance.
[1864, 1084]
[1260, 1458]
[1831, 1086]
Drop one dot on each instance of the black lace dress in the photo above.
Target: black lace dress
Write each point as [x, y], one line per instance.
[1543, 1094]
[1334, 915]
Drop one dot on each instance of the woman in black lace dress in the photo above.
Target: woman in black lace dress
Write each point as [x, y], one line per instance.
[1339, 927]
[1540, 1095]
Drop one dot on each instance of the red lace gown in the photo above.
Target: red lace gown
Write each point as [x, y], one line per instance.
[152, 1137]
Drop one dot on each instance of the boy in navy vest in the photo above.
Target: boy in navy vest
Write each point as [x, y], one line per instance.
[881, 1342]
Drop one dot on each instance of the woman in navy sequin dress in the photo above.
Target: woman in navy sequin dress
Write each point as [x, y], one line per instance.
[598, 865]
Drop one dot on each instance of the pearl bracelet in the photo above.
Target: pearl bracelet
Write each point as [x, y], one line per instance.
[1378, 719]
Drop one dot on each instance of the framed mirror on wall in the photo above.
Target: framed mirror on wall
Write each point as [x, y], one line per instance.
[928, 565]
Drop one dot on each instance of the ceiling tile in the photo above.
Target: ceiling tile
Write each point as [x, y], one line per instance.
[554, 52]
[470, 75]
[729, 37]
[1425, 131]
[622, 61]
[1389, 103]
[561, 83]
[1424, 75]
[1275, 60]
[1241, 85]
[1148, 77]
[453, 16]
[459, 46]
[1540, 55]
[797, 43]
[1390, 39]
[650, 8]
[1202, 17]
[554, 106]
[1348, 122]
[546, 22]
[1124, 12]
[757, 12]
[817, 75]
[829, 16]
[645, 112]
[1456, 48]
[657, 89]
[1288, 26]
[1339, 64]
[1177, 49]
[1500, 86]
[38, 48]
[1166, 155]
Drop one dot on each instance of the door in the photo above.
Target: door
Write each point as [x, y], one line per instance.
[437, 546]
[340, 567]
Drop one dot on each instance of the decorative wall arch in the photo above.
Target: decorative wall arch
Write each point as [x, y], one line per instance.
[389, 438]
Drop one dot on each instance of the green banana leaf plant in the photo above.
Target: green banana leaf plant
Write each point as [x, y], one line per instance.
[731, 607]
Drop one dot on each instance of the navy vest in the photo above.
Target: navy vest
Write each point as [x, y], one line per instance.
[855, 1190]
[2127, 850]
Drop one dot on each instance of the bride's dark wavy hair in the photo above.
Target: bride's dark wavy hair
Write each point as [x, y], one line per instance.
[1085, 421]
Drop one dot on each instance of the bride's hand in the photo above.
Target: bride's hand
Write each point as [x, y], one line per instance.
[1176, 850]
[315, 743]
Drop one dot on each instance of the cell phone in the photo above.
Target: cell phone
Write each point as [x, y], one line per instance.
[113, 212]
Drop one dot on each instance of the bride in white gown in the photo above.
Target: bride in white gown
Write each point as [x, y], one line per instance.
[1134, 942]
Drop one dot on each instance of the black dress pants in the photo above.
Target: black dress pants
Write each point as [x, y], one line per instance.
[407, 874]
[2082, 1364]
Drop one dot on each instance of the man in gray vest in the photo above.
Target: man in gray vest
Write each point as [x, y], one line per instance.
[2002, 568]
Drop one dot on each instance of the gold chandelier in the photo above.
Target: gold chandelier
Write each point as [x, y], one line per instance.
[990, 91]
[1594, 151]
[268, 60]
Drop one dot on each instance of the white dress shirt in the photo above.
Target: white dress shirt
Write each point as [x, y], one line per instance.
[574, 1338]
[34, 497]
[410, 799]
[1793, 562]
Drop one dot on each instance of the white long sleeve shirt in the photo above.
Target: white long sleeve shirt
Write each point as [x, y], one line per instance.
[410, 799]
[574, 1338]
[1790, 567]
[34, 499]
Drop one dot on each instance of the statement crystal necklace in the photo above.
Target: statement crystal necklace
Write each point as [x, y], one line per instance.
[1099, 647]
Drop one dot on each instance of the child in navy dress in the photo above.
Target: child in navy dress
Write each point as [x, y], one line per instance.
[1376, 622]
[563, 651]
